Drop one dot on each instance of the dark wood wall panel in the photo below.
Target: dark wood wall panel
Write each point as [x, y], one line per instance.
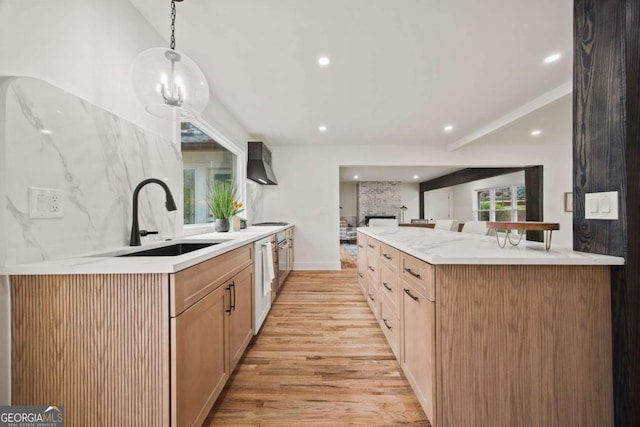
[632, 289]
[464, 176]
[606, 157]
[599, 124]
[534, 182]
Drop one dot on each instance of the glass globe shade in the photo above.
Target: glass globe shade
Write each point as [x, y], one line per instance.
[169, 84]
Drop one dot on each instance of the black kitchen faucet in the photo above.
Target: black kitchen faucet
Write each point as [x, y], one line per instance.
[170, 204]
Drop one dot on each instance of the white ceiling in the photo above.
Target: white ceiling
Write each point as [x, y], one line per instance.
[554, 121]
[394, 173]
[400, 69]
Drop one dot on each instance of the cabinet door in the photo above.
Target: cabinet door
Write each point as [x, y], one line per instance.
[418, 342]
[199, 358]
[362, 263]
[372, 297]
[290, 252]
[241, 315]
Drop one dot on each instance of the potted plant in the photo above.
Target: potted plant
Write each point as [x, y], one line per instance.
[223, 204]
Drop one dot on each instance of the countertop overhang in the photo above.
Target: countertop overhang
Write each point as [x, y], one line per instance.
[108, 262]
[451, 247]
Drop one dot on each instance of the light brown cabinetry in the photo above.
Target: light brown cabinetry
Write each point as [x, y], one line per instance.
[290, 252]
[373, 275]
[240, 316]
[499, 345]
[209, 336]
[418, 353]
[132, 349]
[200, 357]
[362, 263]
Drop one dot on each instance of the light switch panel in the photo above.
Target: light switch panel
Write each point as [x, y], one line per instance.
[601, 205]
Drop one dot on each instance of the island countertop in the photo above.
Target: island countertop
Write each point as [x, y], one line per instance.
[109, 262]
[450, 247]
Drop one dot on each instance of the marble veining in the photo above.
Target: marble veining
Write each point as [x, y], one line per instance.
[451, 247]
[254, 202]
[58, 141]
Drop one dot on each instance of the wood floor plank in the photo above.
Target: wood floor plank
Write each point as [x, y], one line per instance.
[320, 360]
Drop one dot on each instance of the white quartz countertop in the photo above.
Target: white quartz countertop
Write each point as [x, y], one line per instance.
[109, 262]
[451, 247]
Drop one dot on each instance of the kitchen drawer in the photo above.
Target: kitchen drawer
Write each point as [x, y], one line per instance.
[421, 274]
[373, 247]
[390, 325]
[190, 285]
[373, 299]
[389, 287]
[373, 269]
[362, 242]
[390, 256]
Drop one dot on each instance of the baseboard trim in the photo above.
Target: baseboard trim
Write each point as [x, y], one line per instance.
[328, 265]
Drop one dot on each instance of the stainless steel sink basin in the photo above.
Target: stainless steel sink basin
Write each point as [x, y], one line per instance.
[172, 250]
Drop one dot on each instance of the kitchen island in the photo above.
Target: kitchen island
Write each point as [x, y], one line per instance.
[134, 340]
[490, 336]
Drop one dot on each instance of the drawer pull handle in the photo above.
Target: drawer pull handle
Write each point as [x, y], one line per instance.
[408, 270]
[229, 290]
[371, 297]
[233, 286]
[360, 246]
[360, 274]
[371, 246]
[386, 256]
[387, 286]
[408, 292]
[371, 268]
[386, 324]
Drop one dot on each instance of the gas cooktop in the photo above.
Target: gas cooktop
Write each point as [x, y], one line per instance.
[272, 223]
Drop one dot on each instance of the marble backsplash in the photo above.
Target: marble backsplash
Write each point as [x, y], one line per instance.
[254, 202]
[55, 140]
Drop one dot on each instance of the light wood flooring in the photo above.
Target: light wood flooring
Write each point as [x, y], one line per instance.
[320, 360]
[347, 261]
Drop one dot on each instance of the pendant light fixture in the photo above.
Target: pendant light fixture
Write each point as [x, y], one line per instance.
[168, 83]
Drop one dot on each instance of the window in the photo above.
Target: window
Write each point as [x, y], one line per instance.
[205, 161]
[506, 203]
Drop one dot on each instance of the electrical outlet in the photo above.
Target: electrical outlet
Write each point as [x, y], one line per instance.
[45, 203]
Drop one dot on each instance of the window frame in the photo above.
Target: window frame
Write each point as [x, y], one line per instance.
[492, 208]
[241, 170]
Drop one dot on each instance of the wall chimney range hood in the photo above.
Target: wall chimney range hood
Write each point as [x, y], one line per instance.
[259, 164]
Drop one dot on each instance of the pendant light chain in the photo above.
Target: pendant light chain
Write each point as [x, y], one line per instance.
[173, 25]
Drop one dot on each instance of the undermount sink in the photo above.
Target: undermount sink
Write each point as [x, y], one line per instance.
[172, 250]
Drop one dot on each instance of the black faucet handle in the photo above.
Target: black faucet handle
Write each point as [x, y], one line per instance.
[145, 232]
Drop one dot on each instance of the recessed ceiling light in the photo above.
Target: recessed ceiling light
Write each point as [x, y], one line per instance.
[323, 61]
[552, 58]
[536, 132]
[45, 131]
[322, 128]
[448, 128]
[355, 177]
[415, 176]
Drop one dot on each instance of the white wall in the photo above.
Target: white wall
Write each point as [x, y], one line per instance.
[349, 200]
[410, 197]
[462, 194]
[308, 189]
[85, 48]
[5, 308]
